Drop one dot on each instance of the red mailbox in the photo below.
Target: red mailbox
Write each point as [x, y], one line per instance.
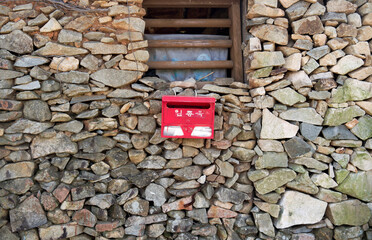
[187, 117]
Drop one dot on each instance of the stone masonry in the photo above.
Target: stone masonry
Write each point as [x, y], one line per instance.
[81, 156]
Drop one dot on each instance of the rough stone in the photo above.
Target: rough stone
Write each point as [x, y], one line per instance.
[115, 78]
[276, 179]
[60, 143]
[350, 212]
[293, 203]
[17, 41]
[276, 128]
[338, 116]
[29, 214]
[307, 115]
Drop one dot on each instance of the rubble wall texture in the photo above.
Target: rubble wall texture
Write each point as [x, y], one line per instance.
[81, 155]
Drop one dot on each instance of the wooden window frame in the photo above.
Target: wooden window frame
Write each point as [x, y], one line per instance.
[234, 43]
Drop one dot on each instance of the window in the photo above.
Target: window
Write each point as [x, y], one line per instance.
[198, 17]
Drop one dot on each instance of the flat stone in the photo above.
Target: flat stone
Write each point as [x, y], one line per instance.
[64, 64]
[342, 6]
[28, 87]
[55, 49]
[51, 25]
[323, 180]
[276, 128]
[297, 10]
[363, 129]
[272, 33]
[96, 144]
[28, 126]
[73, 77]
[287, 3]
[352, 90]
[296, 147]
[276, 179]
[350, 212]
[287, 96]
[299, 79]
[58, 144]
[137, 206]
[156, 193]
[304, 184]
[17, 170]
[103, 201]
[338, 116]
[29, 214]
[311, 163]
[358, 185]
[10, 116]
[72, 126]
[103, 48]
[39, 73]
[230, 195]
[85, 217]
[265, 59]
[307, 115]
[81, 24]
[270, 145]
[30, 61]
[17, 41]
[188, 173]
[318, 52]
[347, 64]
[309, 131]
[309, 25]
[219, 212]
[362, 159]
[37, 110]
[115, 78]
[55, 232]
[132, 24]
[9, 74]
[68, 36]
[271, 160]
[340, 132]
[293, 203]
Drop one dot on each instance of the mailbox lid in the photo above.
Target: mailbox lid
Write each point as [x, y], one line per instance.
[188, 99]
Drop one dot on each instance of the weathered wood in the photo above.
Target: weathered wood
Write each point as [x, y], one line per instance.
[186, 3]
[191, 65]
[190, 43]
[191, 23]
[236, 36]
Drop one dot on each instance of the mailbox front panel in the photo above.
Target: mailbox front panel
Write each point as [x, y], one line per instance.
[187, 117]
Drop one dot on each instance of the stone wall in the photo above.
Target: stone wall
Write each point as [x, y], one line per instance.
[81, 155]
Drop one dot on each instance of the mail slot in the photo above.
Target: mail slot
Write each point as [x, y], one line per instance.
[187, 117]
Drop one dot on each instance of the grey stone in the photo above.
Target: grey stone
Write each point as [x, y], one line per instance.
[103, 48]
[363, 129]
[82, 192]
[68, 36]
[73, 77]
[28, 87]
[179, 225]
[28, 126]
[16, 41]
[188, 173]
[72, 126]
[60, 143]
[137, 206]
[90, 62]
[340, 132]
[115, 78]
[156, 193]
[276, 128]
[37, 110]
[230, 195]
[264, 224]
[358, 185]
[55, 49]
[39, 73]
[308, 115]
[199, 215]
[343, 233]
[293, 203]
[271, 160]
[277, 178]
[103, 201]
[338, 116]
[29, 214]
[9, 74]
[297, 147]
[361, 159]
[318, 52]
[309, 131]
[30, 61]
[350, 212]
[303, 183]
[97, 144]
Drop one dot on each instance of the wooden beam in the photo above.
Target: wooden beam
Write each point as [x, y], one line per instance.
[191, 65]
[190, 43]
[191, 23]
[186, 3]
[236, 36]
